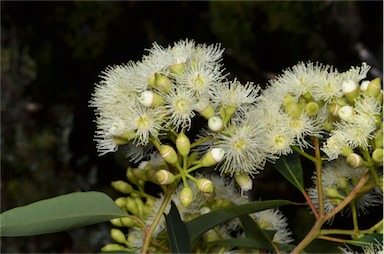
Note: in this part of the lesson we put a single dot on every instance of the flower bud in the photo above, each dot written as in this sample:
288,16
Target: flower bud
215,124
211,235
140,205
121,202
132,207
374,87
122,186
116,222
378,140
139,174
351,90
183,144
229,111
377,155
161,82
332,192
346,113
151,175
205,108
346,150
112,247
354,160
165,177
333,108
131,177
118,236
312,108
168,154
244,181
150,99
162,164
204,185
128,222
212,157
205,210
186,196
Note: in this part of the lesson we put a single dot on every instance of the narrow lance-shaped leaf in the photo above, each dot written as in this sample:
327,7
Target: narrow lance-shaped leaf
290,167
198,226
177,231
59,214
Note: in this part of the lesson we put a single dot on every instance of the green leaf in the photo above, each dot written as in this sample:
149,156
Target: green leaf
59,214
290,167
177,231
198,226
367,240
251,243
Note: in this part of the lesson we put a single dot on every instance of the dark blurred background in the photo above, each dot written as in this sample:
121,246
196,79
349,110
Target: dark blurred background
52,53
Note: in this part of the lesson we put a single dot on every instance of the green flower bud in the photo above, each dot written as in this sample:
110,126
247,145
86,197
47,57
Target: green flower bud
205,108
193,156
293,109
212,157
118,236
151,99
374,87
312,108
204,185
151,175
332,192
351,90
112,247
122,186
288,99
377,155
354,160
128,222
162,165
132,207
121,202
333,108
168,154
183,144
244,181
347,150
140,205
229,111
161,82
215,124
186,196
147,209
378,140
116,222
131,177
139,174
165,177
210,236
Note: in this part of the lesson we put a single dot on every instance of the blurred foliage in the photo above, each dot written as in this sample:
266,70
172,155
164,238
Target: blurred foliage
52,53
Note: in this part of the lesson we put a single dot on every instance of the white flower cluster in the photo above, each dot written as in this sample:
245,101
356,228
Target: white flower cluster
138,102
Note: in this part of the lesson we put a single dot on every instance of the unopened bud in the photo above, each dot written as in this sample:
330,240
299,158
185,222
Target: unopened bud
204,185
128,222
116,222
215,124
378,140
186,196
150,99
118,236
140,205
205,210
168,154
346,150
212,157
165,177
161,82
244,181
121,202
374,87
131,177
112,247
229,111
205,108
139,174
183,144
346,113
122,186
354,160
332,192
312,108
132,207
351,90
377,155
